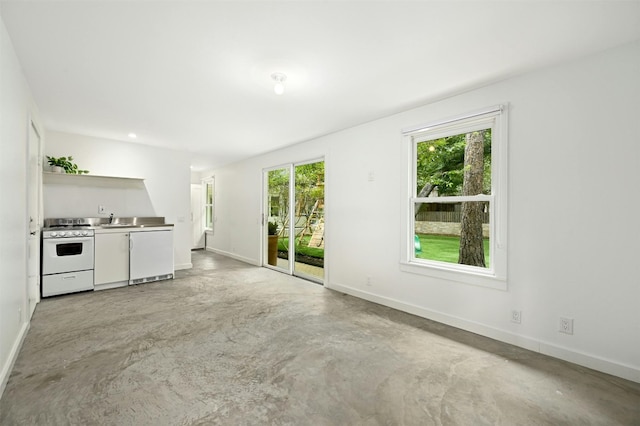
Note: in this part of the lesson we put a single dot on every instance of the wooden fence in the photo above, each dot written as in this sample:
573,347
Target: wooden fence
445,217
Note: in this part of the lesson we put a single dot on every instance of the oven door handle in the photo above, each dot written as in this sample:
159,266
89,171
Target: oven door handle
67,240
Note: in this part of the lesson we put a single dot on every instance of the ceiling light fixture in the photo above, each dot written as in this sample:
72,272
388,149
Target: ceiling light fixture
279,78
132,135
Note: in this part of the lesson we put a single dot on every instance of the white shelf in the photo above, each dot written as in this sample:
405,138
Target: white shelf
91,180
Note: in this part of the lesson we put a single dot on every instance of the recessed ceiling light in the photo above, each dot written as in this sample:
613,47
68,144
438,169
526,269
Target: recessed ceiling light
133,135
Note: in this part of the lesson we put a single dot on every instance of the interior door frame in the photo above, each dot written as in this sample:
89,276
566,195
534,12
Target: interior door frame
292,199
197,216
34,215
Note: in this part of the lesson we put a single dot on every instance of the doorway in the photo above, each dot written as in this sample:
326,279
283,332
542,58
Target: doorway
197,216
294,237
34,210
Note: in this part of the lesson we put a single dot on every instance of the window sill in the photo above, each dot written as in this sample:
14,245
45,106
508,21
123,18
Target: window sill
486,279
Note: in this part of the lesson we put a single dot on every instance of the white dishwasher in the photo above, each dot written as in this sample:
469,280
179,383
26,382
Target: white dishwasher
151,255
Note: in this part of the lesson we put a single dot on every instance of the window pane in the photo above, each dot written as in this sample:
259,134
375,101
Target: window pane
454,165
209,194
442,228
209,217
309,216
278,184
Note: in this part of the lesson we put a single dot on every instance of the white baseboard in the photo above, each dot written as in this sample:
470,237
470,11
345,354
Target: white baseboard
606,366
13,355
116,284
235,256
183,266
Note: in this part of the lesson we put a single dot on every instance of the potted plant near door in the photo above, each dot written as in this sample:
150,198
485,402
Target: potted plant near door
272,247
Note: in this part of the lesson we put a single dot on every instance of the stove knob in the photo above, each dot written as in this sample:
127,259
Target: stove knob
76,233
85,233
54,234
63,234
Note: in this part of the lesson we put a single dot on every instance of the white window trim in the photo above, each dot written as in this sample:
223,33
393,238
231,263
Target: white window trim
496,276
205,205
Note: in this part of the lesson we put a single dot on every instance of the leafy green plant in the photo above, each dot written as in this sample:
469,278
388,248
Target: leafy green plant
302,247
67,164
273,228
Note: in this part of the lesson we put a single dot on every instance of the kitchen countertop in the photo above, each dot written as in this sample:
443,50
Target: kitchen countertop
121,226
130,228
100,224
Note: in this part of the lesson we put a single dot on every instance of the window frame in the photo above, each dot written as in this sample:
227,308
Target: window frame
205,206
494,276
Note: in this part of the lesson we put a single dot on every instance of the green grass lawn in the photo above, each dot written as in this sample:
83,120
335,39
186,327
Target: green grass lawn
444,248
302,248
434,247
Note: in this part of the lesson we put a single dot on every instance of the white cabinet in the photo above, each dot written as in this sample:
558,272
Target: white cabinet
111,260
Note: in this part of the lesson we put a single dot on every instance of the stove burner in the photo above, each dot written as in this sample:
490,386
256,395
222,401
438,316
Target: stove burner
69,223
75,226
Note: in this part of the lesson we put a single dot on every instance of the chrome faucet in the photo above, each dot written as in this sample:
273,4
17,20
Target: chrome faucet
111,218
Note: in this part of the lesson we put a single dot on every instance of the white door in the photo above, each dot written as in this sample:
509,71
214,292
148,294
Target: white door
197,211
33,206
111,260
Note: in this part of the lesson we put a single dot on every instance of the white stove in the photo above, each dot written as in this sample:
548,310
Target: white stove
67,257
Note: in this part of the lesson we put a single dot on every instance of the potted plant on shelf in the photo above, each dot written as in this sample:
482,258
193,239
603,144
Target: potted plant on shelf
65,165
272,258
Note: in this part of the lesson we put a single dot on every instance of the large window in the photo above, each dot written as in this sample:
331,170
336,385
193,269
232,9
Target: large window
456,200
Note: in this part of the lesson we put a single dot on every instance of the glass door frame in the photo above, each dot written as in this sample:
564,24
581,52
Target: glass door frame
291,270
266,214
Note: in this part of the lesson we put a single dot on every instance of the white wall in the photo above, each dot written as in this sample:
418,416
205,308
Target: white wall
574,163
165,192
16,108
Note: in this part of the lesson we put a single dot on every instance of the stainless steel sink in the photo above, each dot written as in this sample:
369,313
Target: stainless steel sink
132,222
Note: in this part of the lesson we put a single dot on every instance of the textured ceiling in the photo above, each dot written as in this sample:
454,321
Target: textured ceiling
195,75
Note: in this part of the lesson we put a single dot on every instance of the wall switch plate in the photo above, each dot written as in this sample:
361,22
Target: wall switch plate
101,209
565,325
516,316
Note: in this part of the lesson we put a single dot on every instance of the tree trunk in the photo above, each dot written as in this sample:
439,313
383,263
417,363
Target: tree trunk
471,242
424,192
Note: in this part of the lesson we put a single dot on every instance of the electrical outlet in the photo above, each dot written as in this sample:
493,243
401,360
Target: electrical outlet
565,325
101,209
516,316
369,281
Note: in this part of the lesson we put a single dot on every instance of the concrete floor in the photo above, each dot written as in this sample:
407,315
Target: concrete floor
226,343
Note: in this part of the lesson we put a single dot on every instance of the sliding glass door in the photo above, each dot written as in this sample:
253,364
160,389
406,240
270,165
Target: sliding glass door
309,220
277,216
294,212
